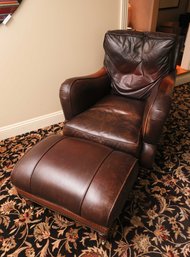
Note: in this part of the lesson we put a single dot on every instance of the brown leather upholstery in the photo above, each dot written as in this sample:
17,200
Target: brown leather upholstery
73,93
106,123
125,104
114,118
137,61
81,179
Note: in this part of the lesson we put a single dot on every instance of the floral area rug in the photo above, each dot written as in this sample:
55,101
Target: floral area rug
155,220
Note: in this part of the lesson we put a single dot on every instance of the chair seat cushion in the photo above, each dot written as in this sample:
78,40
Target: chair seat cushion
115,121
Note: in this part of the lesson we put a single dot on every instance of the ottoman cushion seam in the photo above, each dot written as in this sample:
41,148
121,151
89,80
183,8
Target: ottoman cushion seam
41,158
93,179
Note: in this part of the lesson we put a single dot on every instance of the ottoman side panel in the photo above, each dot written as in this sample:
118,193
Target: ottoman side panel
108,191
22,172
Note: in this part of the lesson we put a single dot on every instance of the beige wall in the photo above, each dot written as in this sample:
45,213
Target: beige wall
44,43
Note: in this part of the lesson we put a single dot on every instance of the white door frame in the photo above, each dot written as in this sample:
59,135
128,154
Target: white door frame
123,14
185,63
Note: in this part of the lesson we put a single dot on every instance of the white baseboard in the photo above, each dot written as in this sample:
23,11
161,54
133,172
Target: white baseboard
31,124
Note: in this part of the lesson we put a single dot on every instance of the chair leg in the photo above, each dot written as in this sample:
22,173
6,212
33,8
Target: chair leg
108,237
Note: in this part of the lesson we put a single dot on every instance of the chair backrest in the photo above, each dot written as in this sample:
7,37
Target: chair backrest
137,61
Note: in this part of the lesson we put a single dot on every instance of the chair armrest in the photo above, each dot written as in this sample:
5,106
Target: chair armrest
79,93
157,109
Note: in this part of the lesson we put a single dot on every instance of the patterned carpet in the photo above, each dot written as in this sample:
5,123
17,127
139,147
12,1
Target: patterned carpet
155,220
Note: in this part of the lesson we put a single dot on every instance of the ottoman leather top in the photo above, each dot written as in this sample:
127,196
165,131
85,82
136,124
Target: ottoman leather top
86,178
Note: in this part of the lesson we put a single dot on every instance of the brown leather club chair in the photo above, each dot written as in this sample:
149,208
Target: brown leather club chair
126,103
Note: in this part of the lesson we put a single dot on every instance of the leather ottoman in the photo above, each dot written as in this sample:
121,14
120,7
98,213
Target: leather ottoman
85,181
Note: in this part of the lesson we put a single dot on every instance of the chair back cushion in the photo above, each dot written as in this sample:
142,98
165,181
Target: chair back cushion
137,61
